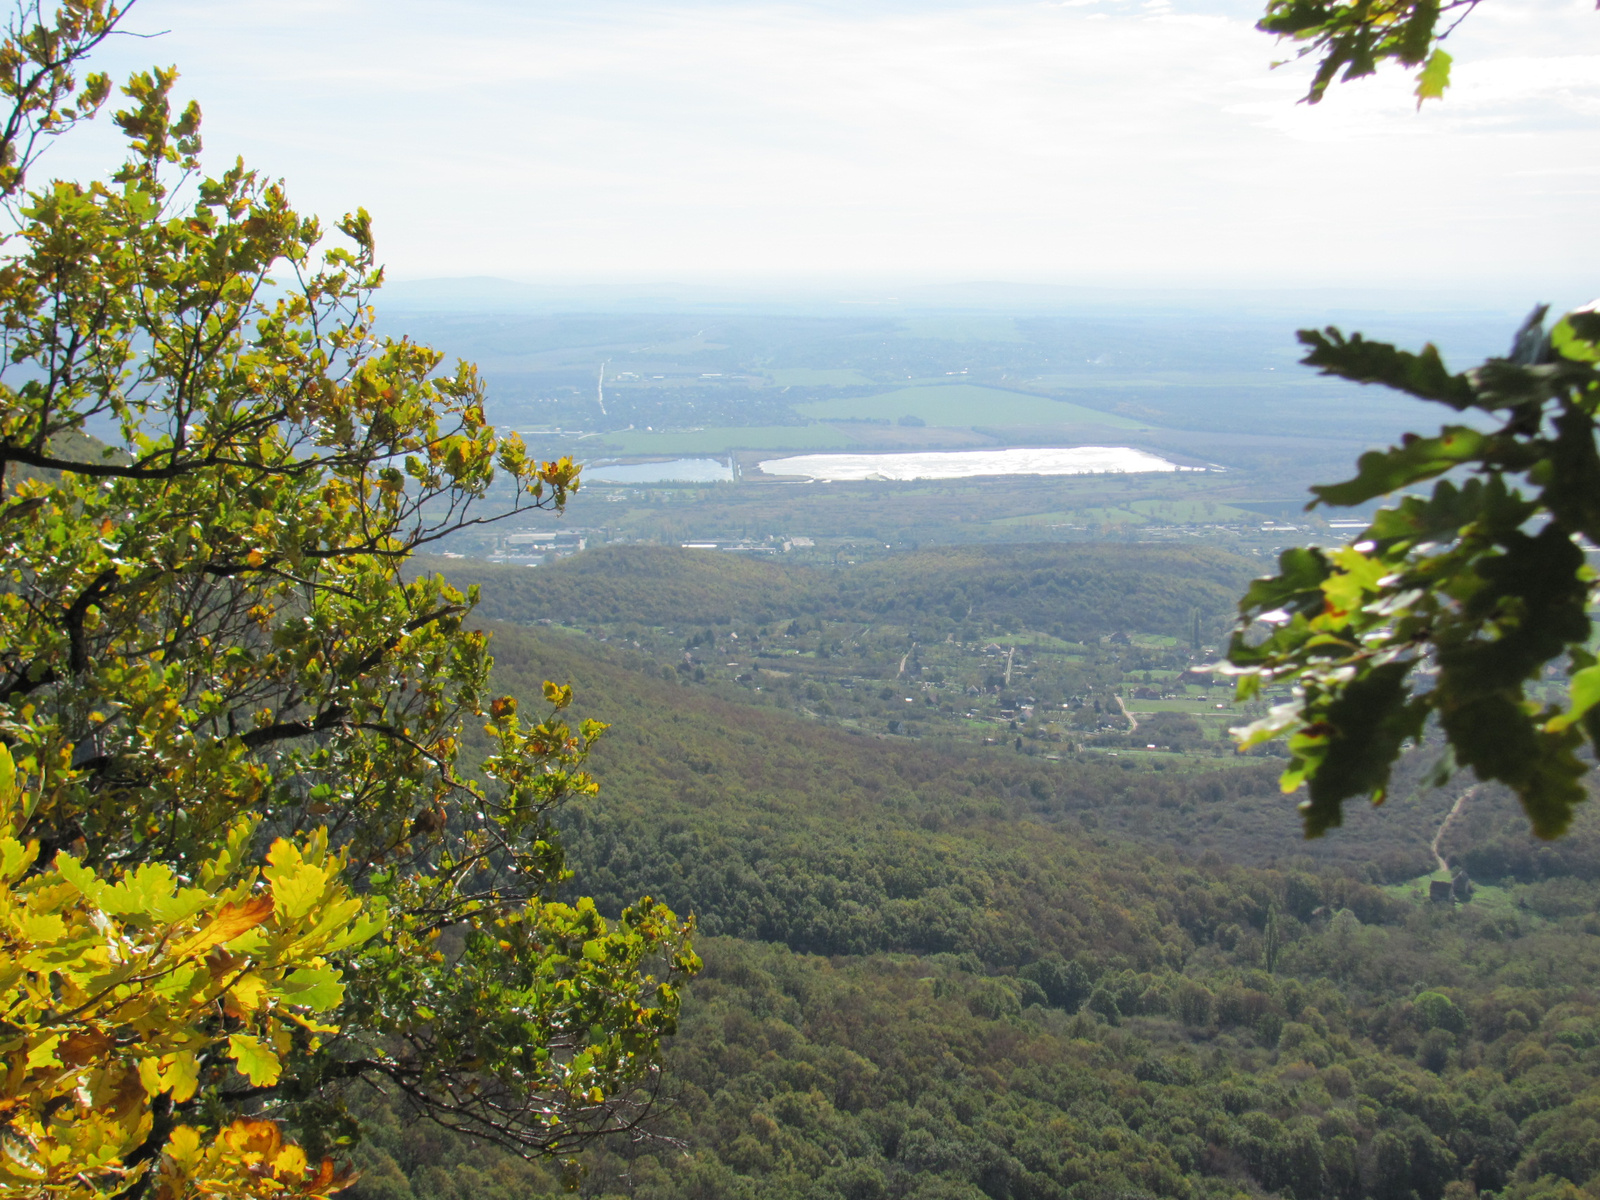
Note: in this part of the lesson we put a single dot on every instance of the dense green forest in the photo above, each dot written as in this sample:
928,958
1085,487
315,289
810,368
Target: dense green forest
1071,591
942,969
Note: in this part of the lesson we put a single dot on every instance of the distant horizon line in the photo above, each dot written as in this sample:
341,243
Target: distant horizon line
843,294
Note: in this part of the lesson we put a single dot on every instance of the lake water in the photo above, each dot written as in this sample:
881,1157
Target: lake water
961,464
679,470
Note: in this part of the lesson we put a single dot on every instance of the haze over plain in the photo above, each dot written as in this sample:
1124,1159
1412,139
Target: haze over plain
1091,141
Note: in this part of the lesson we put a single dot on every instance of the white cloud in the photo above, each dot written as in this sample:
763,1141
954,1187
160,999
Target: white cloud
1078,139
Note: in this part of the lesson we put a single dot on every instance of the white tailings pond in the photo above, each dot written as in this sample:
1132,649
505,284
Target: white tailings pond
962,464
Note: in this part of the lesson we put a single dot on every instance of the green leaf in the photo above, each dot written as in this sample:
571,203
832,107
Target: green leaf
1355,737
1551,791
296,888
1585,694
1422,375
1577,336
1441,514
1434,77
8,782
316,988
1381,472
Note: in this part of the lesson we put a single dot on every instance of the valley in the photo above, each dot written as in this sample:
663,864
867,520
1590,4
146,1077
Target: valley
984,945
798,601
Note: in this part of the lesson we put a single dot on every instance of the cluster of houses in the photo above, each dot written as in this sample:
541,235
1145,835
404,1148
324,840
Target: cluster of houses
772,545
530,548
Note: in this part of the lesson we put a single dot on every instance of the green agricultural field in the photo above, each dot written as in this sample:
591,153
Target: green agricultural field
809,377
1141,707
1180,512
1139,512
726,437
1155,512
1111,516
1046,519
1230,380
964,405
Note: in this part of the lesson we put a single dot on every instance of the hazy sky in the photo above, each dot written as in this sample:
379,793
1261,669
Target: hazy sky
1074,141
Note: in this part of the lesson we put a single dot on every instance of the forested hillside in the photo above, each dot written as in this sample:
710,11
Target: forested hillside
875,649
1076,591
753,782
1339,1075
938,970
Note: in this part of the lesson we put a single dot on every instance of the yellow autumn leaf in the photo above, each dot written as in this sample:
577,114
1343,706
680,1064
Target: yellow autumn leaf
231,921
150,1076
44,1054
183,1076
183,1147
254,1059
297,889
290,1163
247,994
43,928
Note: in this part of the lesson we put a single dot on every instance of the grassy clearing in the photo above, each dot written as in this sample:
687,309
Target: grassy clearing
1500,901
1486,897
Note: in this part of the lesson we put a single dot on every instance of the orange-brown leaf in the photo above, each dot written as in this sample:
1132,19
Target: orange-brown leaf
231,920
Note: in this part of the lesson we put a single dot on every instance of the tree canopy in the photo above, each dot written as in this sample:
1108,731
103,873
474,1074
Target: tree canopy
1450,605
243,862
1348,41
